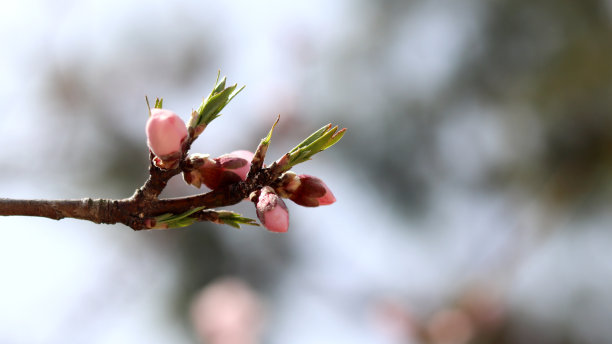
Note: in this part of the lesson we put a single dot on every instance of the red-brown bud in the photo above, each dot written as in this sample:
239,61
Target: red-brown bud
305,190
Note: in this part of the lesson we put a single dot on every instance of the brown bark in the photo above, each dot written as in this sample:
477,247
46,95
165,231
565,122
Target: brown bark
95,210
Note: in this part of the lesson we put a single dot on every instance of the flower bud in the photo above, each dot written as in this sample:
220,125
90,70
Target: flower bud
166,132
272,211
238,161
305,190
192,166
218,172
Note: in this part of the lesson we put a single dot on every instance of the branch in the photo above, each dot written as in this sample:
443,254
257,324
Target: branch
95,210
232,178
144,204
134,211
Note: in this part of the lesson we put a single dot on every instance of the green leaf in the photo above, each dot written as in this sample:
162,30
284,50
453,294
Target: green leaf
218,98
229,218
219,86
266,140
235,220
335,138
314,136
158,104
209,110
178,220
318,141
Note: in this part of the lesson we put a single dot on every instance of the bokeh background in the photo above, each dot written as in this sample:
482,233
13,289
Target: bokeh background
474,185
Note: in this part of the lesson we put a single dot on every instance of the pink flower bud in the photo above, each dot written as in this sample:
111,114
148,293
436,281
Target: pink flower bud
218,172
234,161
272,211
305,190
166,132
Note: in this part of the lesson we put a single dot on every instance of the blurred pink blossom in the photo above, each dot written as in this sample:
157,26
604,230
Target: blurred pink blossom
227,311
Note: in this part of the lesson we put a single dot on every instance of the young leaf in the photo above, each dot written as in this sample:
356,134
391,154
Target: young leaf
211,106
169,220
235,220
318,141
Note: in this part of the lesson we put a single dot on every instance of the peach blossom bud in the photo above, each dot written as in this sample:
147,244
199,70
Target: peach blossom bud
305,190
166,132
191,169
234,159
272,211
218,172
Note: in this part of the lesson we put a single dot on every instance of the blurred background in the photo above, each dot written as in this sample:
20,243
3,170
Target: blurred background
474,183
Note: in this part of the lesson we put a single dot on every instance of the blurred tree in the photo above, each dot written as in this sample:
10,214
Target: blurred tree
553,59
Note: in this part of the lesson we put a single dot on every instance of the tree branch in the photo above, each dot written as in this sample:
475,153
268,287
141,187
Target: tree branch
144,204
95,210
144,209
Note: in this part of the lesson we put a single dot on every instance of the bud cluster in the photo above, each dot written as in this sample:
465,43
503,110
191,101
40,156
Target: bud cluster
302,189
169,139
